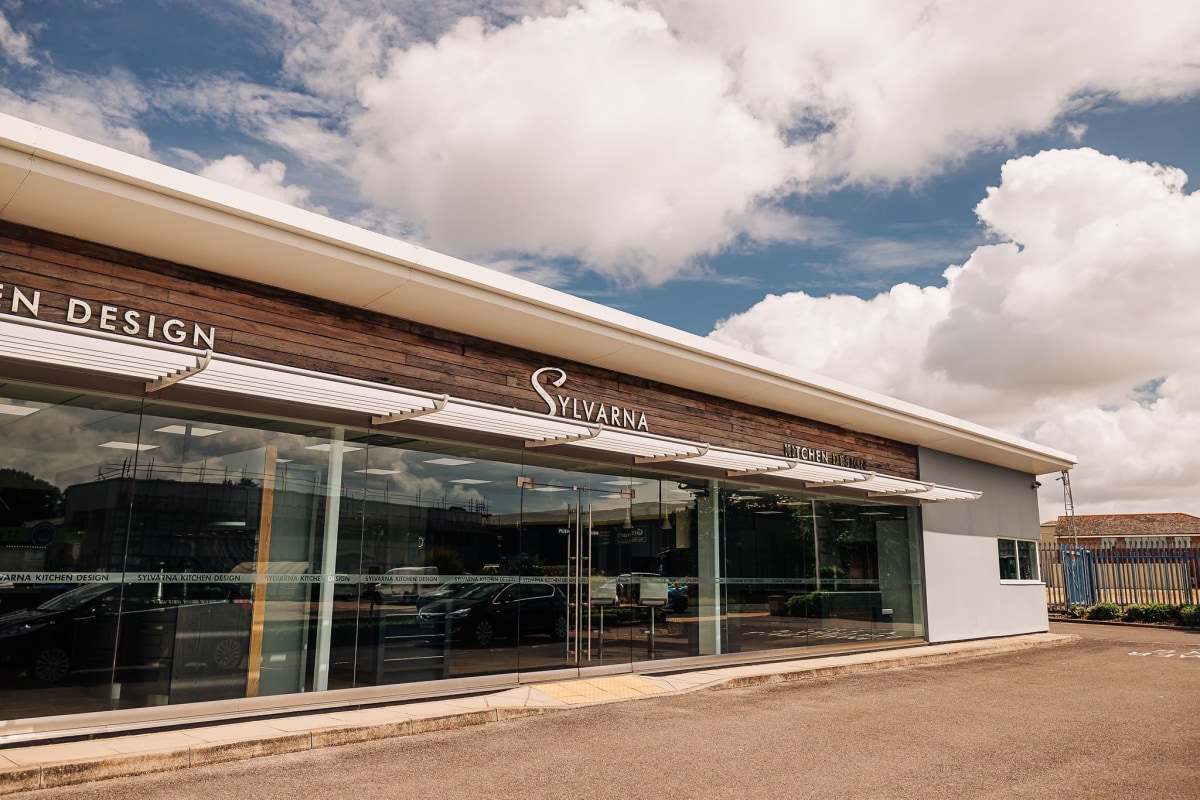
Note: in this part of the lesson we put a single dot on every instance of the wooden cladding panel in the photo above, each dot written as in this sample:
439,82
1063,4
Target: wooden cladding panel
271,324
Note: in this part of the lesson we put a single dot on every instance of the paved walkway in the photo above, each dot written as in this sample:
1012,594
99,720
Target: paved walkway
50,765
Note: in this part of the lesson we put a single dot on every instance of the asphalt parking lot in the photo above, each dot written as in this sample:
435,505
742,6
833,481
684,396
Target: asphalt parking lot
1112,716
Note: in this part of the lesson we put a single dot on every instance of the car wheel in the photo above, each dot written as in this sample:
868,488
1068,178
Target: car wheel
50,665
227,654
560,627
484,632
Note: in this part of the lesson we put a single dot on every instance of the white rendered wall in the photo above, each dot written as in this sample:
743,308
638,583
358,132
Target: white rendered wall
964,596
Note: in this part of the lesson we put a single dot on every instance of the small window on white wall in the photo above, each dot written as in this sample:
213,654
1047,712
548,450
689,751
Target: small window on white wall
1018,560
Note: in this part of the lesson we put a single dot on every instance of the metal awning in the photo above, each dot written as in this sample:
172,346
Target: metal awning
646,448
161,364
886,486
741,463
56,345
738,462
242,376
946,494
822,475
537,430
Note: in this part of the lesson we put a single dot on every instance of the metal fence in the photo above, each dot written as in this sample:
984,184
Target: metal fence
1123,575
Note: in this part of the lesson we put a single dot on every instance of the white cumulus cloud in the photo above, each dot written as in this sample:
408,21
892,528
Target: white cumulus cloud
1077,328
100,108
597,134
268,179
15,46
643,138
898,91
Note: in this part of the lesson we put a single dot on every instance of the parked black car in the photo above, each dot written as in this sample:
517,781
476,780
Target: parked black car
157,625
487,610
442,592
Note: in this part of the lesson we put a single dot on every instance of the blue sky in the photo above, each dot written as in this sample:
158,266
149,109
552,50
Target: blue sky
792,178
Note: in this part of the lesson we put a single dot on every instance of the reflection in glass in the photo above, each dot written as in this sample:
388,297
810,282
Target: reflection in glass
800,570
58,639
174,520
1008,560
1028,561
160,554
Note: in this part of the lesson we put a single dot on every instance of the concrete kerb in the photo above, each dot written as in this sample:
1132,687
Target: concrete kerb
19,774
899,659
1114,623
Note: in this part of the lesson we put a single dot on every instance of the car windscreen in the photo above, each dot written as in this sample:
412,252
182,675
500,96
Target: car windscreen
77,597
477,591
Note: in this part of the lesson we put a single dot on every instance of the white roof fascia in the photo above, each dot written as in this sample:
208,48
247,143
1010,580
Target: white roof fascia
77,188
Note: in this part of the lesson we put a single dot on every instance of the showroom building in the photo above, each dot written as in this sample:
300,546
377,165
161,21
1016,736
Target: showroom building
258,460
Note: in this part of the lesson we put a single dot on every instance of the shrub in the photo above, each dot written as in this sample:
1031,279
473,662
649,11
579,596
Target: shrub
1189,615
1152,612
1136,612
1104,611
1076,612
803,605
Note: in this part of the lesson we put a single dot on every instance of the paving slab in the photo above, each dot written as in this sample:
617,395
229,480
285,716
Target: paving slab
49,765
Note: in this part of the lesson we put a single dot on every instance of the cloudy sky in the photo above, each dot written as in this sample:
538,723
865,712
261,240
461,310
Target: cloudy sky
980,207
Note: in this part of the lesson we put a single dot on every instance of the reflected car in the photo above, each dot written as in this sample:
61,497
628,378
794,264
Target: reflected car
361,589
442,592
485,611
76,632
404,585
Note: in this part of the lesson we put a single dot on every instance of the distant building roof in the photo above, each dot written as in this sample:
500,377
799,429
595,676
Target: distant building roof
1129,525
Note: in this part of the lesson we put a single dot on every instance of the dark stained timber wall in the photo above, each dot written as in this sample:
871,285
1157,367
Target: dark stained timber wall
261,322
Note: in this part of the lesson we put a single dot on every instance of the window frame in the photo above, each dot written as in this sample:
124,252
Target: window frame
1032,546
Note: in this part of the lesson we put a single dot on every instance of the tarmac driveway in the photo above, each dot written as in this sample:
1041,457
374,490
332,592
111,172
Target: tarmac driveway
1116,715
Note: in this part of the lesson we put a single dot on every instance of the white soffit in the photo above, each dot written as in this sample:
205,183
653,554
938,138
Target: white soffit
39,342
70,186
14,166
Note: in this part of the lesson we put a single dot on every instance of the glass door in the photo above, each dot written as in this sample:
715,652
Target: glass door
575,535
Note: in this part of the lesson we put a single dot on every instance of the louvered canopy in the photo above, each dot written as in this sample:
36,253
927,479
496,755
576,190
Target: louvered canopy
161,365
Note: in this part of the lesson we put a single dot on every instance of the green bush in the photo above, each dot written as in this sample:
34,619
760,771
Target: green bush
1104,611
1153,612
1163,613
1136,612
1076,612
803,605
1189,615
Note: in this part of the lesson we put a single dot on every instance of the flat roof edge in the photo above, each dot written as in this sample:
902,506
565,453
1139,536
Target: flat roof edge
625,339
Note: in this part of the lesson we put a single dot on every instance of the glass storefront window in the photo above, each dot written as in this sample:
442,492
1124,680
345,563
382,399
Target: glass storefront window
132,539
65,497
800,570
185,554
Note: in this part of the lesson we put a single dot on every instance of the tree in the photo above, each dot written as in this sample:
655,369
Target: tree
24,497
